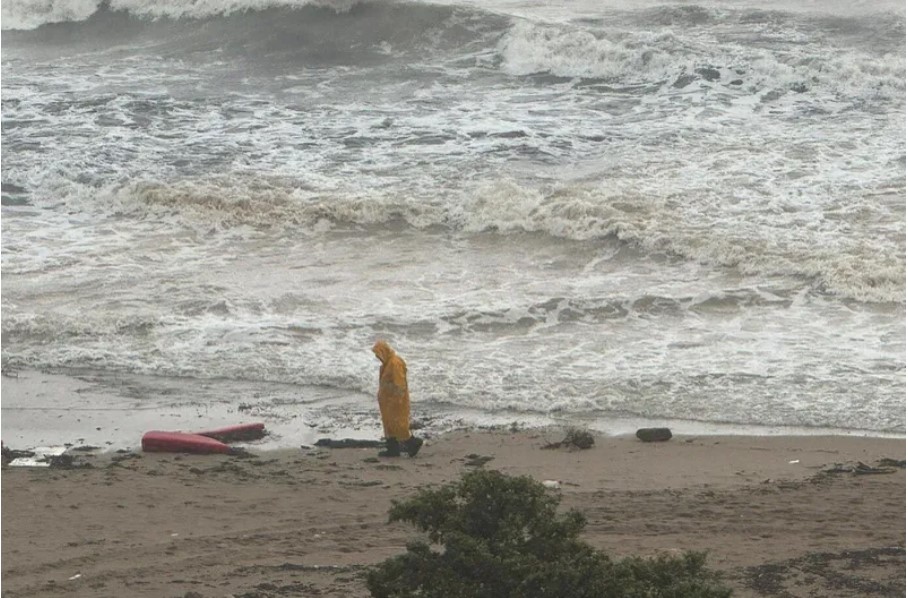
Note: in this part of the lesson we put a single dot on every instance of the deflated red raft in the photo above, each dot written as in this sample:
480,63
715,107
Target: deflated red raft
240,432
180,442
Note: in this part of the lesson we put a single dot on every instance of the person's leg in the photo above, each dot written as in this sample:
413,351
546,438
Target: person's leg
393,448
396,418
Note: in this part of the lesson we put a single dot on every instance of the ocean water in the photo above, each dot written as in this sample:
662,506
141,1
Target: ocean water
573,211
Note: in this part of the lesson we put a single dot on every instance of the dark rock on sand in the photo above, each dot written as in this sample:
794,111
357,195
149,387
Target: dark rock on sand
654,434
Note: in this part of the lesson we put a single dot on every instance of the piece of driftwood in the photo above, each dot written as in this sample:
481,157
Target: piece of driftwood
349,443
887,462
654,434
862,469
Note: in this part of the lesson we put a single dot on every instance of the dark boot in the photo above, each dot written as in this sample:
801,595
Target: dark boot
392,450
412,445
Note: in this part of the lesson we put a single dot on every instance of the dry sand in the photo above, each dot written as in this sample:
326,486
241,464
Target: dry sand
774,518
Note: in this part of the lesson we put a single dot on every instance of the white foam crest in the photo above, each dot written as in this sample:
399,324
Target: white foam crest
569,51
28,14
848,72
236,201
703,229
49,325
195,9
703,226
311,205
506,206
857,268
850,272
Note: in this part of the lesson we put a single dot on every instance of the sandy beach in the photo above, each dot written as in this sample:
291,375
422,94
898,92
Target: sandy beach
779,516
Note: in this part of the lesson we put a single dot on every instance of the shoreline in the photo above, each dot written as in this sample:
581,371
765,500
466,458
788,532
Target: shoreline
311,521
112,411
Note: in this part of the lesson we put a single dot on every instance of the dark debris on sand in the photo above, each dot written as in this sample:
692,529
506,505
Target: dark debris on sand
474,460
842,574
63,461
860,468
349,443
9,454
574,439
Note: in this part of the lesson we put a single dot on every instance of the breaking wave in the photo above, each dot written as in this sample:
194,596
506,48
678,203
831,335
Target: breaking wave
667,51
679,59
25,14
869,268
274,32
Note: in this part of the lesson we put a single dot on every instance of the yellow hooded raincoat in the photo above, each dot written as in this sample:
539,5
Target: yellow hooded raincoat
393,395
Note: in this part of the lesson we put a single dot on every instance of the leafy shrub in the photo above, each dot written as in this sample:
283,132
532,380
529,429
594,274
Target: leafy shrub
496,536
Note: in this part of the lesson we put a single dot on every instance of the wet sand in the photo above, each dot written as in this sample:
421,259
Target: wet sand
776,514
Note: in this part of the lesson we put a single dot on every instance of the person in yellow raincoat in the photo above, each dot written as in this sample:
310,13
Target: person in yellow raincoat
394,403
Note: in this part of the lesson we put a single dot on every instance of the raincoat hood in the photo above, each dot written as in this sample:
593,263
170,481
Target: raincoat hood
383,351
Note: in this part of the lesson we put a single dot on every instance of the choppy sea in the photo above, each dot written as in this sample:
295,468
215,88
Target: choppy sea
574,211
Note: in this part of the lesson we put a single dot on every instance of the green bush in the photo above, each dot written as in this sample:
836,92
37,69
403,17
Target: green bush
496,536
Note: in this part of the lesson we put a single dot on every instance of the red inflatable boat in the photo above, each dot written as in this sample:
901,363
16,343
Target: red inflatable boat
240,432
180,442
